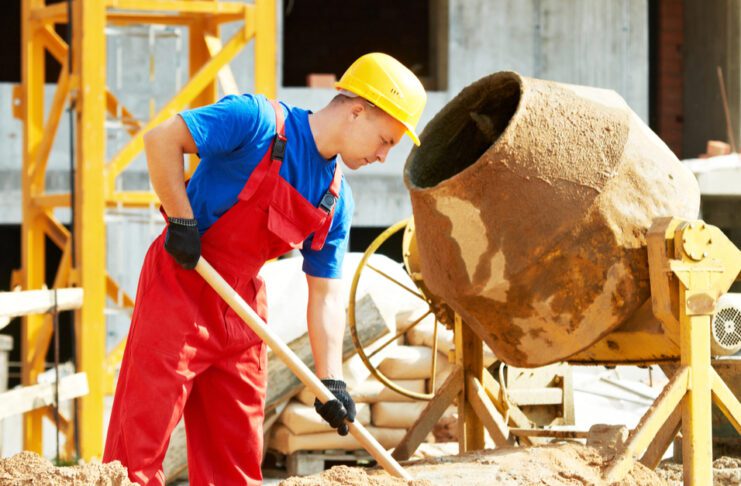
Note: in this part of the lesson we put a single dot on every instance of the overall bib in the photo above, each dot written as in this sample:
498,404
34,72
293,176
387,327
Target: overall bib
189,353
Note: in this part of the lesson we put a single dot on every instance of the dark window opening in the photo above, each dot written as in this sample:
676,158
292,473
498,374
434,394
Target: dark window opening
11,27
326,36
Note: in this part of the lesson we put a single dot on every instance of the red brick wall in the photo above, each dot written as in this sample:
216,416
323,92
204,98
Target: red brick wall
669,74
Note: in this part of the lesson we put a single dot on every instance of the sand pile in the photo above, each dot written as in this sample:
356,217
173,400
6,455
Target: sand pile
553,465
28,468
726,472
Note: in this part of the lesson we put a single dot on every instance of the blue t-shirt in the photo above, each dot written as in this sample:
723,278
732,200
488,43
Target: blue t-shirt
232,136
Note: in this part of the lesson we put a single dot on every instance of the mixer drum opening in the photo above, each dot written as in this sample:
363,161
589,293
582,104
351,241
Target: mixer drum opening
531,203
467,128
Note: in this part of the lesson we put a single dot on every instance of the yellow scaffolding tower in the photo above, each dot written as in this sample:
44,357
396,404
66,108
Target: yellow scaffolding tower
84,85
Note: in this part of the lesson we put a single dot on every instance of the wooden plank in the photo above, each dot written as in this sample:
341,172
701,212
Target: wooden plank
31,397
536,396
567,385
26,302
487,413
649,425
470,355
283,384
516,416
430,415
652,457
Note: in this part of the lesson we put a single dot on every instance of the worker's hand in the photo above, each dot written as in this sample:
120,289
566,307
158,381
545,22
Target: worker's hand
336,411
183,241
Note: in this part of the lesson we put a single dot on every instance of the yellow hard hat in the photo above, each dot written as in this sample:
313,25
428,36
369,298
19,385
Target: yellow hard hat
388,84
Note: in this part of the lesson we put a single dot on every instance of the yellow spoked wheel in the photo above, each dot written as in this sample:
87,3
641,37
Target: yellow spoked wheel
443,314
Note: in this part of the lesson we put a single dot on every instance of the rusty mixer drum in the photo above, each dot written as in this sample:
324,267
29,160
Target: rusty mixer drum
531,202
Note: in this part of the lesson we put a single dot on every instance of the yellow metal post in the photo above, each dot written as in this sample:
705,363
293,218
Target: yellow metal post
199,56
89,65
697,427
265,51
32,234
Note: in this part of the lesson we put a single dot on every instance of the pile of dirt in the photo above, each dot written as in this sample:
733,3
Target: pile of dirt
554,464
726,472
350,476
28,468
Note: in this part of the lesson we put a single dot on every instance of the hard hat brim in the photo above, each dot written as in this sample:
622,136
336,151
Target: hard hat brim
410,132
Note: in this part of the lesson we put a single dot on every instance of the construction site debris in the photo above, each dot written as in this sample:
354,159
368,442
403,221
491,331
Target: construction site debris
715,148
285,442
607,439
28,468
555,465
283,383
726,472
303,419
391,414
373,391
408,363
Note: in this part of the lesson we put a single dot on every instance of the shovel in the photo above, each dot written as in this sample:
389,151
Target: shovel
298,367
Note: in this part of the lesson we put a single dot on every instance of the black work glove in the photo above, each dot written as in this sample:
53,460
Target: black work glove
336,411
183,241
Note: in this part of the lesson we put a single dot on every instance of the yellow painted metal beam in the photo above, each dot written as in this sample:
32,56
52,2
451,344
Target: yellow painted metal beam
32,235
112,362
266,58
41,154
128,18
54,229
226,76
118,110
649,426
199,55
53,42
114,358
190,91
66,426
725,399
54,13
52,200
141,199
89,65
116,294
194,6
697,422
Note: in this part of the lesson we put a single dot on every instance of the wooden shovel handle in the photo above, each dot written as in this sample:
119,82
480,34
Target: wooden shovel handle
298,367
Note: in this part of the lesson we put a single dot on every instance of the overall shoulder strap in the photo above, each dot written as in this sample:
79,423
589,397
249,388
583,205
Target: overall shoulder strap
273,157
327,204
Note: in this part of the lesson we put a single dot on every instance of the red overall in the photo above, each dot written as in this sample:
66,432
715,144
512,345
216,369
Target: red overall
188,352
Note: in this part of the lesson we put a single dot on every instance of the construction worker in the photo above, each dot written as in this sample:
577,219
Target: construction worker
268,182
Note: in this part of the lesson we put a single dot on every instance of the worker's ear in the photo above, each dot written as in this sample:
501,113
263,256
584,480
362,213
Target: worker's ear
356,108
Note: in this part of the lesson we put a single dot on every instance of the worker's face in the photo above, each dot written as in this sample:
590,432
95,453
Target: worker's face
370,134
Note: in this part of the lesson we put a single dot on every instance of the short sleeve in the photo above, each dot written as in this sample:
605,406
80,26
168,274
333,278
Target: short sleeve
225,126
327,262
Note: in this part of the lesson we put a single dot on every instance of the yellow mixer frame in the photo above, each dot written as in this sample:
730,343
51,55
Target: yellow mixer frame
691,264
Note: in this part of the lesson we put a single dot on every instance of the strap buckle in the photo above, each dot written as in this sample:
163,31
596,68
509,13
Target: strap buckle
279,148
328,202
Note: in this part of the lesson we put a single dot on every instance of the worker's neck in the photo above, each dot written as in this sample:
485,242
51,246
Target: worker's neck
327,131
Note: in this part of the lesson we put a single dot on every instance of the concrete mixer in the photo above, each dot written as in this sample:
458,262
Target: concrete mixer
551,224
